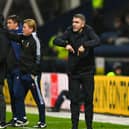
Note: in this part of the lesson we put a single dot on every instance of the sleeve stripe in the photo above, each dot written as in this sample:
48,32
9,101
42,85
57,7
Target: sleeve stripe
38,52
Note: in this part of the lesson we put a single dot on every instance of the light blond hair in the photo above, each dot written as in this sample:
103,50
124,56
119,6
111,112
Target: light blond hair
31,23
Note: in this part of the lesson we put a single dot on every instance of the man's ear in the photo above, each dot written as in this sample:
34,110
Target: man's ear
83,23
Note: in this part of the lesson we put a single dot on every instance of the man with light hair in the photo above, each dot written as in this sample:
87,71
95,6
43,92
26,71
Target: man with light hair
29,67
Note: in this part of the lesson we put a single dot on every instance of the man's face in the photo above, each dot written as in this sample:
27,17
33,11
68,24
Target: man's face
118,71
27,30
11,25
77,24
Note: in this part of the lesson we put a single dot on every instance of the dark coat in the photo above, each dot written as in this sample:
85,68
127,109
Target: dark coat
30,52
88,38
4,45
4,49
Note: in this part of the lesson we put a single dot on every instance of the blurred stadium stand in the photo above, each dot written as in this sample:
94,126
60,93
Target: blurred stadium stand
56,14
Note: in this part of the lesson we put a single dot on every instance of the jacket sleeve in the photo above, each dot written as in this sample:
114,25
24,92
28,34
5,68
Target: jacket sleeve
14,37
38,47
93,39
62,40
4,47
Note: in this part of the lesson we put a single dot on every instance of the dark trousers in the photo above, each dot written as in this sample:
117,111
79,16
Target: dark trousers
33,85
2,100
81,90
17,98
2,106
62,96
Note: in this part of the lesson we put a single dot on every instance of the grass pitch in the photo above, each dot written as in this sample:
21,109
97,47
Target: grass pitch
61,123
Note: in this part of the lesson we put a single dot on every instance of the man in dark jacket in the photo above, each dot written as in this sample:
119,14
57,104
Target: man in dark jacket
80,39
4,48
29,67
13,77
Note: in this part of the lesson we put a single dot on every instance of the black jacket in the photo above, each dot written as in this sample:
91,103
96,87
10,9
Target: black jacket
4,49
88,38
4,46
30,53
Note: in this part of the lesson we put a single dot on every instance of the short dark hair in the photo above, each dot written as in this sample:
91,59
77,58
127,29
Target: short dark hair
14,17
81,16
